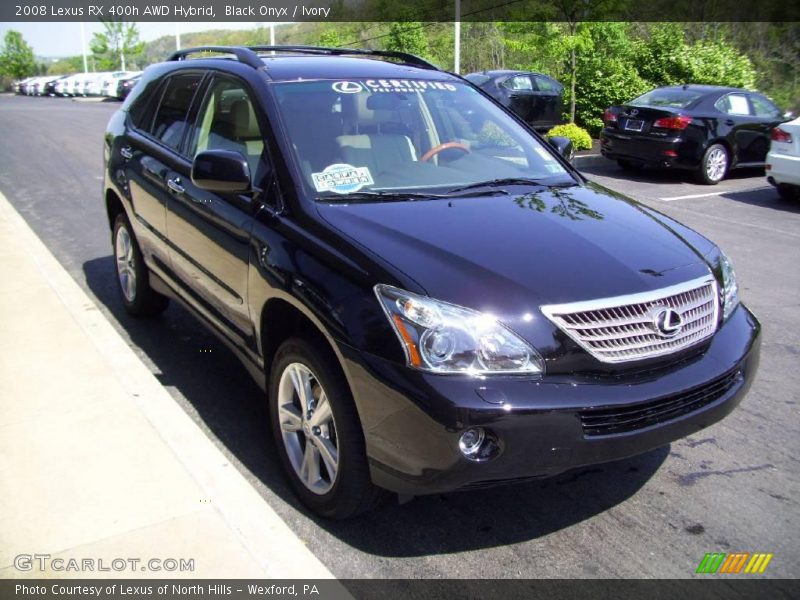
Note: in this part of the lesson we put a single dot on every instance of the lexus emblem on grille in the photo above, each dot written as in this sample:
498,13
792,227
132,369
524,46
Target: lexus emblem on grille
667,322
634,112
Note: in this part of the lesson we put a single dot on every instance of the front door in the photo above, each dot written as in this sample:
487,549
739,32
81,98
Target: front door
209,232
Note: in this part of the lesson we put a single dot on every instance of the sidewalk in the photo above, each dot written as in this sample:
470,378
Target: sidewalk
97,461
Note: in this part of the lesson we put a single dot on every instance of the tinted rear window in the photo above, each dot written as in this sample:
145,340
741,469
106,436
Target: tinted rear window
477,79
667,97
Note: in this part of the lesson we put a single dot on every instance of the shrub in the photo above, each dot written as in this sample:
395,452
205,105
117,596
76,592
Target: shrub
580,137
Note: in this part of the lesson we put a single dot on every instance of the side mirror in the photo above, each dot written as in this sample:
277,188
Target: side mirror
221,171
563,145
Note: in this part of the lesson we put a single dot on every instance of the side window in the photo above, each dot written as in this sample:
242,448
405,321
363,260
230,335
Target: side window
519,83
170,121
733,104
545,84
227,121
764,108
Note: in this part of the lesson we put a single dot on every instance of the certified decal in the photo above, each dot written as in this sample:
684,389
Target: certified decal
391,85
342,179
347,87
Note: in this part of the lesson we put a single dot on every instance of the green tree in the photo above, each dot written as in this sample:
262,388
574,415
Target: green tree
331,38
607,75
667,59
64,66
407,37
16,56
117,47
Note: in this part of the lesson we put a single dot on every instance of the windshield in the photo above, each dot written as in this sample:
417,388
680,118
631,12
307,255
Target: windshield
406,135
673,98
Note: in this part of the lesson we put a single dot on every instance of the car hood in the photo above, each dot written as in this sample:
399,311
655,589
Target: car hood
509,255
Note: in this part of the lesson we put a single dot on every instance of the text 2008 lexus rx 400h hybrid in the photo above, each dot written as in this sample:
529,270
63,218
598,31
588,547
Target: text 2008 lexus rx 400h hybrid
430,296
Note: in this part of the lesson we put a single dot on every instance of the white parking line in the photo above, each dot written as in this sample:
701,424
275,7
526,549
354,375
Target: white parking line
708,195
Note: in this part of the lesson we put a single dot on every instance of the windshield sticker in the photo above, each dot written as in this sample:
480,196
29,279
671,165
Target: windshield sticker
342,179
391,85
347,87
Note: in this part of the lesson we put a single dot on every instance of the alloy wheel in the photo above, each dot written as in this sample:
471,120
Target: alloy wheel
716,164
126,269
308,428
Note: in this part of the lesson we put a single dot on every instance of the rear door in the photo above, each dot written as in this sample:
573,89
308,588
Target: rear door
521,99
741,128
151,158
210,233
549,105
767,116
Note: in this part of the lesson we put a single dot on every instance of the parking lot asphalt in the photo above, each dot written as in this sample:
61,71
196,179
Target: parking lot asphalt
732,487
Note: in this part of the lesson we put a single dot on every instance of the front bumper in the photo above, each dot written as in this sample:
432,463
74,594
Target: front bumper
412,421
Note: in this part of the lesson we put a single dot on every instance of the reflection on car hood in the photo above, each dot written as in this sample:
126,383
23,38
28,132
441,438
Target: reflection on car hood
504,253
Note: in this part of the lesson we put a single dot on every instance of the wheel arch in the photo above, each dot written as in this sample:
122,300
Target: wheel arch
114,207
281,319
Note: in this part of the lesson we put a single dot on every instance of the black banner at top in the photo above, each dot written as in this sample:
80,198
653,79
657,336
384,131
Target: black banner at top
260,11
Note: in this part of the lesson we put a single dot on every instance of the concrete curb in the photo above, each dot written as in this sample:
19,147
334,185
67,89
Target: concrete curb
590,160
256,526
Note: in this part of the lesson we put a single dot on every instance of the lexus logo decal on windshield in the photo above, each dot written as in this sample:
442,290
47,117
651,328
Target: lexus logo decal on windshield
347,87
667,322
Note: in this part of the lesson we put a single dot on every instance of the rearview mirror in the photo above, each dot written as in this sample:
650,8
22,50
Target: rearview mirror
563,145
221,171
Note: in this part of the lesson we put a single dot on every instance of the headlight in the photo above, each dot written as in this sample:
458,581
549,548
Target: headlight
445,338
730,291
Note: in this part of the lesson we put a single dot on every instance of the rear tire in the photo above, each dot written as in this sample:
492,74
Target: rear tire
133,277
318,432
714,165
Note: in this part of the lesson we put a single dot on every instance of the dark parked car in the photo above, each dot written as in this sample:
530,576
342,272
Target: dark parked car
49,88
536,98
431,297
704,128
124,86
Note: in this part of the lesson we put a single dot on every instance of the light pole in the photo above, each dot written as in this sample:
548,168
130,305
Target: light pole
177,35
83,49
457,53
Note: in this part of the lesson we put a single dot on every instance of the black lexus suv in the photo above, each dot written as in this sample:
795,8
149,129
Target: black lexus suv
430,296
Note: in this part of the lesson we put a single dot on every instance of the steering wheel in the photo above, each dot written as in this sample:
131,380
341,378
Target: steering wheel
447,145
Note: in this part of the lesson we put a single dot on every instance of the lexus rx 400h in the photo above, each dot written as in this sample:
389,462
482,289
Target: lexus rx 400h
430,296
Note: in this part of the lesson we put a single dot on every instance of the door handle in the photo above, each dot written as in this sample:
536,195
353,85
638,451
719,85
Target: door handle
126,152
730,122
175,185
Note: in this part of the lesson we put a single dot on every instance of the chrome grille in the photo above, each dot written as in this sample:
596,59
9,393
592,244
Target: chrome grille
625,328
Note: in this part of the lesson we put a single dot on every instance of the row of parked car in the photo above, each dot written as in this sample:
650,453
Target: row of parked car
710,130
112,84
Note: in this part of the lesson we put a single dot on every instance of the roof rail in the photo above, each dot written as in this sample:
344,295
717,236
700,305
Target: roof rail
410,59
243,54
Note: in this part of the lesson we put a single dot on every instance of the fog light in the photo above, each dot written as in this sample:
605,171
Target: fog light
471,441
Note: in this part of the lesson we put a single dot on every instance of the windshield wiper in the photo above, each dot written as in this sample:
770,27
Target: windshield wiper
389,196
509,181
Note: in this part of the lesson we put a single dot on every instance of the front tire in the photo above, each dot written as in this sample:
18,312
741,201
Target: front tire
133,281
714,165
318,433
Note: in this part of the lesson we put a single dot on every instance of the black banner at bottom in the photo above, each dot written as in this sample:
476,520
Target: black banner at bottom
728,588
